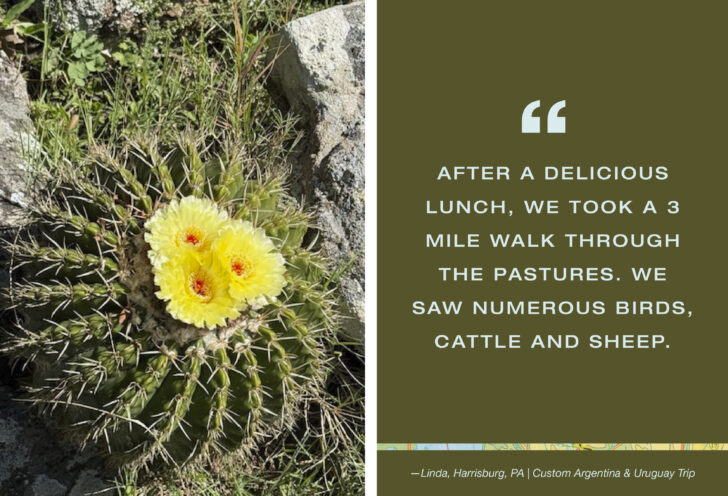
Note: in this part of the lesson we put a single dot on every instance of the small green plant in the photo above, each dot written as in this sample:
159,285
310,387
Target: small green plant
13,30
85,57
126,54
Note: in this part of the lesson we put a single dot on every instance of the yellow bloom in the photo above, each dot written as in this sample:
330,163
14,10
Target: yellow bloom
187,225
254,266
195,287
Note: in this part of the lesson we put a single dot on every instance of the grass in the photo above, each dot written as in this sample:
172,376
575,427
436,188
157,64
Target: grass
200,67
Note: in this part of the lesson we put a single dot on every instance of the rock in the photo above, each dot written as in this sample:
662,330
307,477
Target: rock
319,74
34,459
15,141
44,486
15,453
338,187
89,483
93,15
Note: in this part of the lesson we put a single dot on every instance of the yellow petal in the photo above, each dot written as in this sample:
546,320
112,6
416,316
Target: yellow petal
196,290
187,225
254,266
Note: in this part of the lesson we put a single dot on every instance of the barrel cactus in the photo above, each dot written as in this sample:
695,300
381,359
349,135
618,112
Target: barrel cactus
166,305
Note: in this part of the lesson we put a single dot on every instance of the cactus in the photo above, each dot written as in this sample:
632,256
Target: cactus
110,360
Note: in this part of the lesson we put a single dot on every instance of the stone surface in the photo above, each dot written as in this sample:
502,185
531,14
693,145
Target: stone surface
93,15
338,187
35,460
90,483
44,486
15,140
15,452
319,74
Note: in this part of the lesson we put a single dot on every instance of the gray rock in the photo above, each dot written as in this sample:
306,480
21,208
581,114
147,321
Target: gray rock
319,74
338,188
34,458
15,452
127,13
45,486
92,15
89,483
15,141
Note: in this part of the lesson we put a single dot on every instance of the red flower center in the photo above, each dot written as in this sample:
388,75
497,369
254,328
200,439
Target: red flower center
200,286
191,236
239,266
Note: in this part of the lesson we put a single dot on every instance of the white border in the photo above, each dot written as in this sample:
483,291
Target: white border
370,276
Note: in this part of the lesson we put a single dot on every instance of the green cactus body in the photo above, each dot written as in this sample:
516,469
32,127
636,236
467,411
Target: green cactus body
116,368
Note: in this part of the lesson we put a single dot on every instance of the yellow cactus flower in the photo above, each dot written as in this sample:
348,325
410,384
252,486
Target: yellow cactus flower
254,266
195,287
186,225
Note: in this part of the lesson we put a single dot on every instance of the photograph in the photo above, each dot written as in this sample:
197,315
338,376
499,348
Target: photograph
182,247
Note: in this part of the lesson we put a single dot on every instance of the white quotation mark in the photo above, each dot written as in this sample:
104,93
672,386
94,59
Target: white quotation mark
532,124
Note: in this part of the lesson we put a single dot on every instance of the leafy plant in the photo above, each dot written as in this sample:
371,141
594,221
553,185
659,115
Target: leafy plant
86,57
12,29
14,12
126,54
